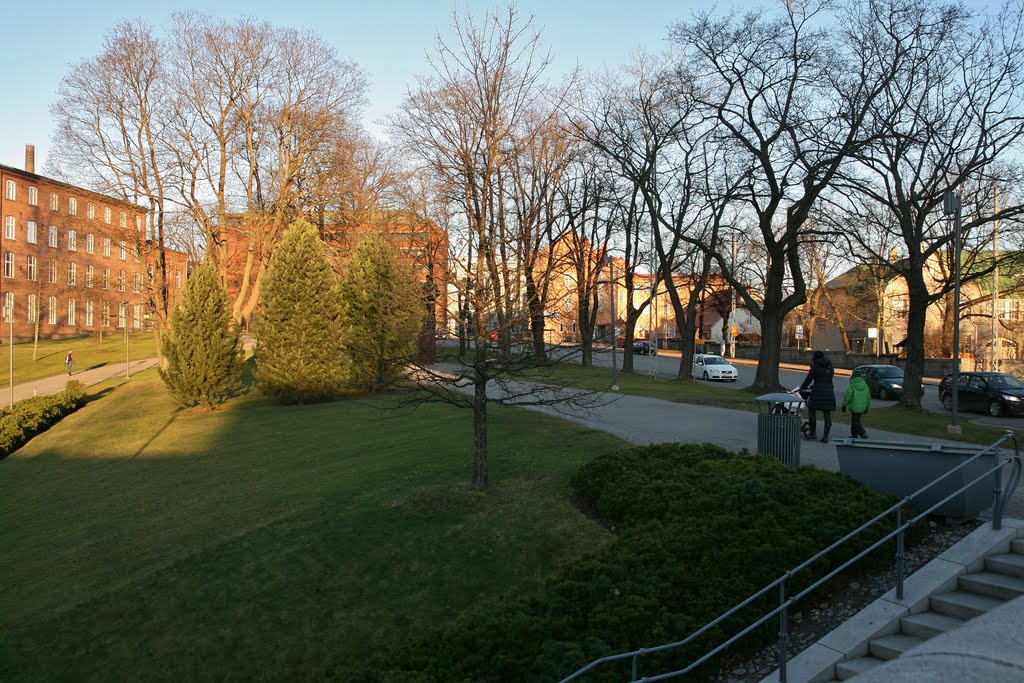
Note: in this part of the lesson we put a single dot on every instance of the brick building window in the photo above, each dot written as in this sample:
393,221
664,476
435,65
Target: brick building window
138,224
122,220
8,264
106,246
72,240
72,274
88,313
122,281
10,227
31,268
105,314
106,278
122,314
10,190
90,211
177,279
51,272
137,282
106,215
8,307
33,196
123,250
88,275
72,206
51,236
30,232
899,309
135,252
72,311
54,202
90,243
33,308
51,310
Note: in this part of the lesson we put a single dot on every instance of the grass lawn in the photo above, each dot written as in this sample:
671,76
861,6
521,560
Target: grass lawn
893,418
89,352
261,542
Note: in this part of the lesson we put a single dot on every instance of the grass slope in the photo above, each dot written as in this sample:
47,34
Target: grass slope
262,542
89,352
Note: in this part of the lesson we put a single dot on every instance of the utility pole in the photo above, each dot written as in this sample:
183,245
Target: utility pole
951,206
732,301
9,310
995,284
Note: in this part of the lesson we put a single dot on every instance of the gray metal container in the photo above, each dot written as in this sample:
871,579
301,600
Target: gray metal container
778,427
902,468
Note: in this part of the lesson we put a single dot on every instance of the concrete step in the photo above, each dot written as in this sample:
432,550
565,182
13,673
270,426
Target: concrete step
992,584
928,624
1017,546
962,605
850,668
1011,564
891,647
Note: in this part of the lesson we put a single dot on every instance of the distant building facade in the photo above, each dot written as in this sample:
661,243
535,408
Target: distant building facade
75,262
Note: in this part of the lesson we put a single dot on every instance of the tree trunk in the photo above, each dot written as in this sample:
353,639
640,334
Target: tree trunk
480,416
767,376
917,308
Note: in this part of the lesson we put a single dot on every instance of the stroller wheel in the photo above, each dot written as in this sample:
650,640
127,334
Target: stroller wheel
805,428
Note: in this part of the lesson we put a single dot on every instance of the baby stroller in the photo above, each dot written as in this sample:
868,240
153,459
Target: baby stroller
798,406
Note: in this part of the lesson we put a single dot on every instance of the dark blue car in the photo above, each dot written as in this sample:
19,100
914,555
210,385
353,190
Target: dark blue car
996,393
884,381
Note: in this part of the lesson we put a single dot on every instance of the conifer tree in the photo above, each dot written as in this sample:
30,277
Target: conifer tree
299,356
204,361
382,313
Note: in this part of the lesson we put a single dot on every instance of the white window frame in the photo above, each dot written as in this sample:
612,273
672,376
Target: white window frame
51,310
31,268
31,232
52,239
122,220
137,283
137,316
88,313
72,274
106,278
72,240
72,312
9,267
122,281
122,314
10,227
90,210
32,312
106,215
122,251
89,272
7,307
105,314
11,190
33,195
106,246
72,206
54,201
90,244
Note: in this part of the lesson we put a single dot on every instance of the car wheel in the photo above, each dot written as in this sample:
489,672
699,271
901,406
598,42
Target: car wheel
705,376
947,401
995,409
883,394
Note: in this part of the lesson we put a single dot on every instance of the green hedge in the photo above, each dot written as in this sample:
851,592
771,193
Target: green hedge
32,416
699,529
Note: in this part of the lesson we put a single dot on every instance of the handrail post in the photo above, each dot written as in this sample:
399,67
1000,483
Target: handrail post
636,666
899,553
783,629
997,501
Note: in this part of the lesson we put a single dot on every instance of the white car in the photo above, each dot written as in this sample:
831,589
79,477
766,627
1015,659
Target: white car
708,366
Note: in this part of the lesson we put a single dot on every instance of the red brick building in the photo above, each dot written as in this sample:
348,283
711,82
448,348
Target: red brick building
74,261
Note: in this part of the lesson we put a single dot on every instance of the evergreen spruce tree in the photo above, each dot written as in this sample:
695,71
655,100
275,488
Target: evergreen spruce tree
382,312
204,361
299,356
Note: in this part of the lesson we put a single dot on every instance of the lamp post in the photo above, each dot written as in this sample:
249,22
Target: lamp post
9,312
951,206
127,365
732,301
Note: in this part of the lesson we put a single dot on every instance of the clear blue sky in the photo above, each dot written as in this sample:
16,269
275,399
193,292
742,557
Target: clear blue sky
388,39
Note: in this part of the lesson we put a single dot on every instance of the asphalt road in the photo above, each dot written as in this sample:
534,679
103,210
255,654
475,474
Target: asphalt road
667,366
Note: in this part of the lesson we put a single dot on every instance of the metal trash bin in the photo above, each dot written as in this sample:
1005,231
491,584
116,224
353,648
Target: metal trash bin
778,427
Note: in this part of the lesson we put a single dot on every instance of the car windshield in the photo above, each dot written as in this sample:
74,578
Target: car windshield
715,360
890,373
1004,382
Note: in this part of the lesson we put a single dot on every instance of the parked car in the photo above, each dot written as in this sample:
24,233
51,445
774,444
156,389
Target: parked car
884,381
996,393
709,367
643,347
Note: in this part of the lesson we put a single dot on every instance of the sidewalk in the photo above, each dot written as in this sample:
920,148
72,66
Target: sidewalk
88,377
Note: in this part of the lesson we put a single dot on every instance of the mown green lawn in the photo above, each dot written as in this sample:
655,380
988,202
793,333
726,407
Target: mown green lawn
89,352
261,542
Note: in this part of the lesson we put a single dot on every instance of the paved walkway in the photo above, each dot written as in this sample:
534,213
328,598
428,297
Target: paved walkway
88,377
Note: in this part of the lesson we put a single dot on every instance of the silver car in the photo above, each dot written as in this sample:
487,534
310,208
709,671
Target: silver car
708,366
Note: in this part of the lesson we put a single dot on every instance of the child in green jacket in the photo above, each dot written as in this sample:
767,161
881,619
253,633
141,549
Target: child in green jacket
857,398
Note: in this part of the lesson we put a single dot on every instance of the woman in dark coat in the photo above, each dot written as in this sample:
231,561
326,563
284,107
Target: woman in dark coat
823,396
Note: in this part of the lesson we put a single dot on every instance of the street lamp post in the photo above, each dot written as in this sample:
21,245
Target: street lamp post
732,302
127,364
951,206
9,311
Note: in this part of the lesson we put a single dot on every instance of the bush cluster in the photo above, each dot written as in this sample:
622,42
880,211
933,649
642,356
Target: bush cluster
699,530
32,416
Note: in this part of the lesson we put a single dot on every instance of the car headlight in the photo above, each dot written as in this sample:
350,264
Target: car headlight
1011,398
897,386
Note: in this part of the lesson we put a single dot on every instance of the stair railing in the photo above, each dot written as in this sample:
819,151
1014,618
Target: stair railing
1000,495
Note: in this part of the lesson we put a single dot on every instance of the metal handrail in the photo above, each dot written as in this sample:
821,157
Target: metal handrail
999,494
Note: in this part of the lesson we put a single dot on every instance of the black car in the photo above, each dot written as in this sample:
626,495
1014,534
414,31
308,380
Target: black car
996,393
643,347
884,381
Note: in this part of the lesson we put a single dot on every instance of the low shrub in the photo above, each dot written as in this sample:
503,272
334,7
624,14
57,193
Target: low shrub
32,416
699,530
